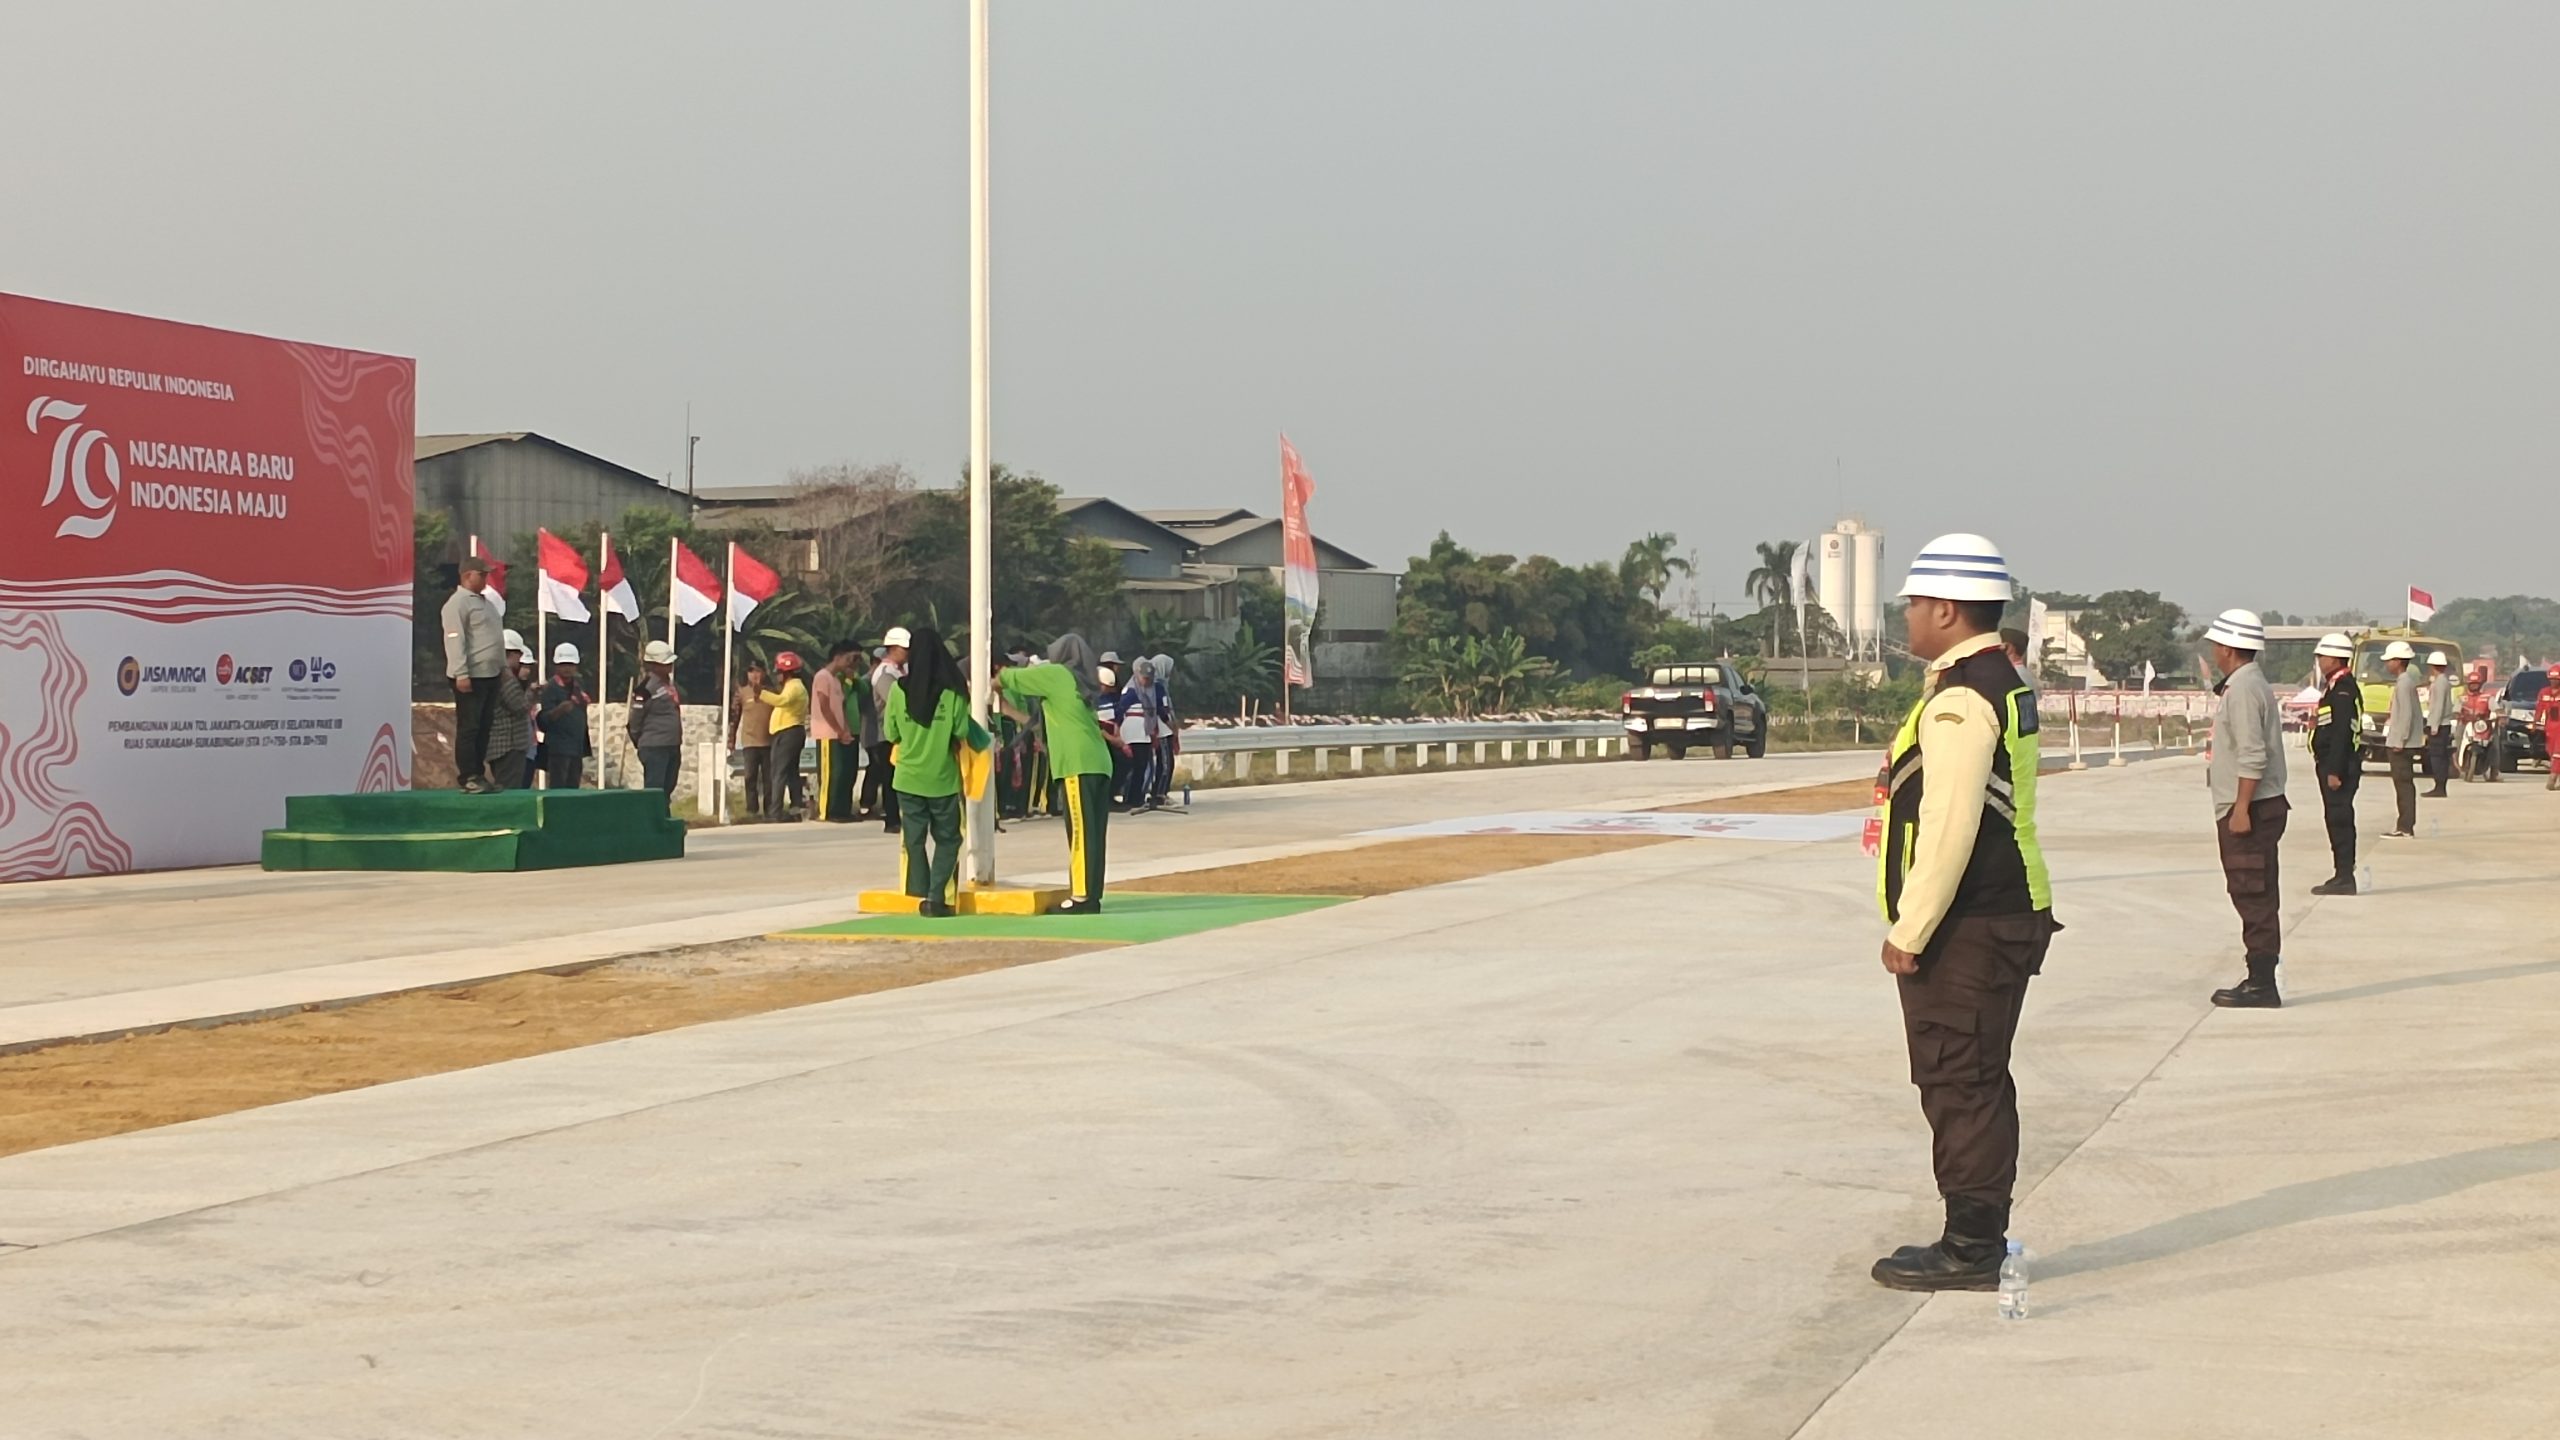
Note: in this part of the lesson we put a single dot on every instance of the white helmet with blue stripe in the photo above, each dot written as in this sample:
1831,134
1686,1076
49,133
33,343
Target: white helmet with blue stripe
1958,567
2239,629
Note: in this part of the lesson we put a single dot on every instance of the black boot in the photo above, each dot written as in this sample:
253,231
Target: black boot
2339,885
1966,1257
2258,992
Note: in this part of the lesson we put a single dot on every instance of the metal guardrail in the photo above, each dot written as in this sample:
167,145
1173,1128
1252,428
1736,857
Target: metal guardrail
1203,740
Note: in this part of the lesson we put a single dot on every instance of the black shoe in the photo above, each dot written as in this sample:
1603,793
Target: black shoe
891,830
1966,1257
1079,907
934,910
2258,992
2342,885
2435,794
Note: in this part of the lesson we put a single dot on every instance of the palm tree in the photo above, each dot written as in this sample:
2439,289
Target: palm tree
1504,665
1773,584
1163,634
1650,564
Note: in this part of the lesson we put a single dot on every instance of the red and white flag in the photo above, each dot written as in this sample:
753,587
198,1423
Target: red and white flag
697,590
496,594
614,588
2422,606
751,583
564,578
1297,570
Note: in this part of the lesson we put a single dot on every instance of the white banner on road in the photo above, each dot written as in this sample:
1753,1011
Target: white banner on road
1790,829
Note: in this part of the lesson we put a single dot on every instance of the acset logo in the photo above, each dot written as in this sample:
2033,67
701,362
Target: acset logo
228,672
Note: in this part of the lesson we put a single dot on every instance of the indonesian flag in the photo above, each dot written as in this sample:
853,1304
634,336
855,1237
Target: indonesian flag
614,589
564,578
697,590
496,594
2422,606
751,583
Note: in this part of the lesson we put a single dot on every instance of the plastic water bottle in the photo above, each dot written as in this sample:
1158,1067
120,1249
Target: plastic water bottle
2013,1283
2364,878
1186,794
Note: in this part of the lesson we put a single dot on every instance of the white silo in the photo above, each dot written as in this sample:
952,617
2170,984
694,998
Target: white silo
1832,579
1866,550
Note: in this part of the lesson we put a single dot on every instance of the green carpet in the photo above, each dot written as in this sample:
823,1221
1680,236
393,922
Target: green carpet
1126,919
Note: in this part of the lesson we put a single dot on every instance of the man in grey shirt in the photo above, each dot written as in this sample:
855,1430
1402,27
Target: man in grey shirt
2404,735
474,653
2246,777
2439,721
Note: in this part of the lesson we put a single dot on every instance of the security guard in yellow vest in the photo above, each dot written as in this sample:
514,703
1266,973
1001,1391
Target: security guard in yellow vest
1964,888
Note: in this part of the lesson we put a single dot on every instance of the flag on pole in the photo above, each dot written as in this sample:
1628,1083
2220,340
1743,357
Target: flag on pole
564,578
496,594
697,591
751,583
614,589
2149,674
2035,641
2422,606
1298,568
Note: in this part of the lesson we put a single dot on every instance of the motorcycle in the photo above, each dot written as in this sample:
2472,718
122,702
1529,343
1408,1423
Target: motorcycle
2479,758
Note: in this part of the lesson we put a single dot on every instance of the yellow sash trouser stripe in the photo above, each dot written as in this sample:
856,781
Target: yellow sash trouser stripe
1075,837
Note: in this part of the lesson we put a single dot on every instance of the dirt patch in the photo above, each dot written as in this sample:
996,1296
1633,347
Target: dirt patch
1803,800
82,1092
1389,865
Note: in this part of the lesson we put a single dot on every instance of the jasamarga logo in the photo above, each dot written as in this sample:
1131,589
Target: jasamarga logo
74,451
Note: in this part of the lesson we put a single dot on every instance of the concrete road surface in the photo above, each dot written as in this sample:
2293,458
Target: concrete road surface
1602,1149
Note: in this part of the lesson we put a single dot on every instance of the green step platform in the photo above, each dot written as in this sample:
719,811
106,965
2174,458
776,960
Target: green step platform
448,830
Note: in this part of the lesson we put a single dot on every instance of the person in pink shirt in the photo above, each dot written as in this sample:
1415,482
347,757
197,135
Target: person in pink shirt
829,726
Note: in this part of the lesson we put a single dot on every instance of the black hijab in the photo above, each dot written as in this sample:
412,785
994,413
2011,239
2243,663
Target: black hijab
930,672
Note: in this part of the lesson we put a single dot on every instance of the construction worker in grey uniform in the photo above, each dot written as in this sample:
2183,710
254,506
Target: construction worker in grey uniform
2245,777
1963,886
2404,735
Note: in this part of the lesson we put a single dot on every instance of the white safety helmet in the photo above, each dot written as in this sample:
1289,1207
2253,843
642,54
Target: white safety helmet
1958,567
657,652
2400,650
897,638
2336,646
2438,657
564,653
2239,629
1106,677
515,643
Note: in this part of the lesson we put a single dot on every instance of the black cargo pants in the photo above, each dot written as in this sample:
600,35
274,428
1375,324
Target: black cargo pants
1959,1018
2338,810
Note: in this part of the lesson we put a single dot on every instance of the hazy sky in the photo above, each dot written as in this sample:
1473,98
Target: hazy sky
2256,303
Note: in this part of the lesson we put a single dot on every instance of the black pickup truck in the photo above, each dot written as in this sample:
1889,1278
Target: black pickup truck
1684,705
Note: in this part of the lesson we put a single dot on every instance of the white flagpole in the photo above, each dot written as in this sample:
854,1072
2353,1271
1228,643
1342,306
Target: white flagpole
728,642
979,854
604,660
541,656
673,545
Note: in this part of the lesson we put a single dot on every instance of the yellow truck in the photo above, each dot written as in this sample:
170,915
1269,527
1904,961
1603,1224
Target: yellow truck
2374,683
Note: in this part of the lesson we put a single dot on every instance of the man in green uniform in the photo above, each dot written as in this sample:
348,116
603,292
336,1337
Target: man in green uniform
1078,756
1963,885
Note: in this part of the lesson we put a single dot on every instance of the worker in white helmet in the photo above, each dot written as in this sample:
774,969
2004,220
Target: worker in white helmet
2337,756
1963,885
2404,734
2245,777
2439,721
561,706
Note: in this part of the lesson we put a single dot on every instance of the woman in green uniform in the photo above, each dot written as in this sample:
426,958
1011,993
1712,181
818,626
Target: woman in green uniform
1078,756
927,720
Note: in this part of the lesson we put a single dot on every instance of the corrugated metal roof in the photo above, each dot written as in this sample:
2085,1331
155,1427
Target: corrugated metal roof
430,446
1185,519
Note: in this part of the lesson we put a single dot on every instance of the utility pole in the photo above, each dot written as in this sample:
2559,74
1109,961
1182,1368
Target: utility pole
980,852
690,440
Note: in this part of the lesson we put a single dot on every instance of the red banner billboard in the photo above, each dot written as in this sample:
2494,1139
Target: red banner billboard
204,585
